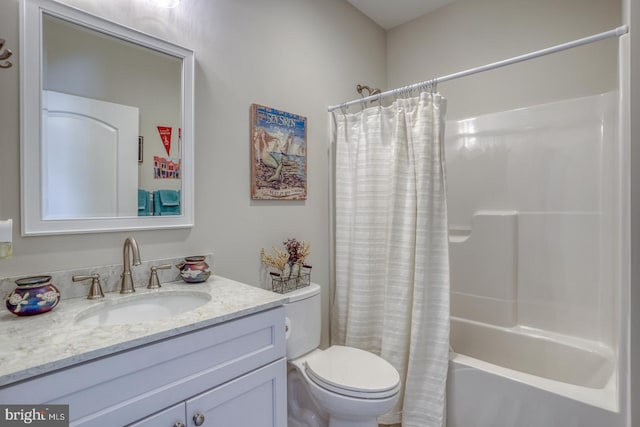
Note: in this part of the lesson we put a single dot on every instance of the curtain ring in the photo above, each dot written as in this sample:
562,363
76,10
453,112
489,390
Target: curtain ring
434,86
428,86
343,108
409,92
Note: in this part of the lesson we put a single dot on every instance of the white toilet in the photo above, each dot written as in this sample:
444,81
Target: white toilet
337,387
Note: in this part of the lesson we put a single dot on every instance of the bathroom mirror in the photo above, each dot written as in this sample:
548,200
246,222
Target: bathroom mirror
106,125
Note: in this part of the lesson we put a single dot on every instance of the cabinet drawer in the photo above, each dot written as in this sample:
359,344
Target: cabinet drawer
126,386
257,399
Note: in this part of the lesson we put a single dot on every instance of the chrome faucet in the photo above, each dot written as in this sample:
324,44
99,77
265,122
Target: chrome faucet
127,281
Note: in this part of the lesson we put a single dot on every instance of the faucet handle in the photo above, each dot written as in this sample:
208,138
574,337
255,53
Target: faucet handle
154,282
95,291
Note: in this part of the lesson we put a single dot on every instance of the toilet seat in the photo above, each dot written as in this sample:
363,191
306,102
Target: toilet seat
353,372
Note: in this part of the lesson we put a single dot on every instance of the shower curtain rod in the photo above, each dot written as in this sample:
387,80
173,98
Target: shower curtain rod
616,32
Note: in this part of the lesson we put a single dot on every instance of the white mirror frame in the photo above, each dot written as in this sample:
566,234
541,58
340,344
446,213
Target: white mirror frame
31,84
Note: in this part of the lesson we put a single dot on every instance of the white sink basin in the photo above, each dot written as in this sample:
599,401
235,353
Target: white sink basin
143,308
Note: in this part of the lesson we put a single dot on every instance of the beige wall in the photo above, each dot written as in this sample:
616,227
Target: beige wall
294,55
471,33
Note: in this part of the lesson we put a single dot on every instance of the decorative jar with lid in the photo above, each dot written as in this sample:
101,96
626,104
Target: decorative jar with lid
194,269
33,295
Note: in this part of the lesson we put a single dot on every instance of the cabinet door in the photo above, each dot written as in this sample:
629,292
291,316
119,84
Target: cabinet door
257,399
173,416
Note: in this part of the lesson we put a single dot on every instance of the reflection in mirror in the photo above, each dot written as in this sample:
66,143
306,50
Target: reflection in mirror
101,93
115,111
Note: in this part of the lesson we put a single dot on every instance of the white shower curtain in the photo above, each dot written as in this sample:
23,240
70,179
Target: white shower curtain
391,247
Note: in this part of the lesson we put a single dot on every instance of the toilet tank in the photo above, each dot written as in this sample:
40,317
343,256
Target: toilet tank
303,321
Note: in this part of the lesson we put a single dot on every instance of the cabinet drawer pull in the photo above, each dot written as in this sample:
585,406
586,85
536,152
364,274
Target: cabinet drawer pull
198,419
179,424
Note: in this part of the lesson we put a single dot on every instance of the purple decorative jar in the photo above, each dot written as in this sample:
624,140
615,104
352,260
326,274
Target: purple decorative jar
34,295
194,269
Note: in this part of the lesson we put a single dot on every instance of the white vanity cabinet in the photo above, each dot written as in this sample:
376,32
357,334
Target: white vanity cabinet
232,374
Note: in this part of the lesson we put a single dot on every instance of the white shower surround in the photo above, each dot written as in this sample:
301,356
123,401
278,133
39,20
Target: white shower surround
531,196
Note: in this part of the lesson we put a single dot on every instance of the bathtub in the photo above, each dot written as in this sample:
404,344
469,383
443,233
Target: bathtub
507,377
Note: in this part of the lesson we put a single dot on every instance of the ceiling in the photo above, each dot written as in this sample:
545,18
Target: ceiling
391,13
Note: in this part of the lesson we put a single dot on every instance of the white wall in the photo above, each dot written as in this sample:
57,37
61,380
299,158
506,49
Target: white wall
294,55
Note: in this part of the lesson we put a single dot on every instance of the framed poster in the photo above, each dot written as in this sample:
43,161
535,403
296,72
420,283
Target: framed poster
166,168
278,154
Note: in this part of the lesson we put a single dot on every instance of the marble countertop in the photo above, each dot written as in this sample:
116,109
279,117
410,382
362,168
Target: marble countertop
35,345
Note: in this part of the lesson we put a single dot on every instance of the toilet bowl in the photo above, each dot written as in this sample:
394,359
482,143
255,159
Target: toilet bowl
350,386
337,387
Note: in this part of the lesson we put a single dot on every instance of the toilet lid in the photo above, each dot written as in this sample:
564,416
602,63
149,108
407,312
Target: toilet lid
353,372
